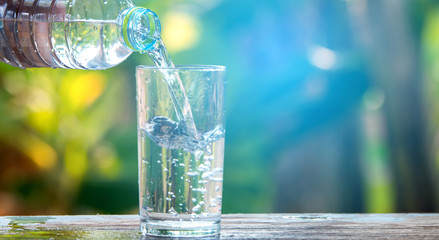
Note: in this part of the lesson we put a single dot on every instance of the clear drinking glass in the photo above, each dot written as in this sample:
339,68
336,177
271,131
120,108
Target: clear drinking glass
181,149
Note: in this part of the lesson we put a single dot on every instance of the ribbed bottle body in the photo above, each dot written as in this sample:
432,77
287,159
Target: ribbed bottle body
79,34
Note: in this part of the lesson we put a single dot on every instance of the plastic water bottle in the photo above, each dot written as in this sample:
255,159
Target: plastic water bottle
78,34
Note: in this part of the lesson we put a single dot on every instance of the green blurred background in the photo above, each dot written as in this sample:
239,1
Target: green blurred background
332,107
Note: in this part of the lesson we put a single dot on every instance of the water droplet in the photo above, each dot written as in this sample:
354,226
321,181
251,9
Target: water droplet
165,170
217,189
181,164
173,212
194,199
95,28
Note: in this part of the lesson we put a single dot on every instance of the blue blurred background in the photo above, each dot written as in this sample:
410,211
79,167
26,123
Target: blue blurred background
332,107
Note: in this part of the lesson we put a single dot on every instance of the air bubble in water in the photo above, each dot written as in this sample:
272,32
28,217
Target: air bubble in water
197,208
203,168
192,174
213,202
176,135
173,212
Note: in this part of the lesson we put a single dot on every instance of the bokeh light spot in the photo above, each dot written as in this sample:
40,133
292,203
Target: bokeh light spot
70,126
43,121
75,160
373,98
107,162
181,31
39,100
42,154
322,58
83,89
15,82
316,86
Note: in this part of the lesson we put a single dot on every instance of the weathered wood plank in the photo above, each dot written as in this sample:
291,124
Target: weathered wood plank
234,226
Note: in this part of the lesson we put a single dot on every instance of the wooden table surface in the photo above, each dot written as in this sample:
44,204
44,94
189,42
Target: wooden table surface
233,226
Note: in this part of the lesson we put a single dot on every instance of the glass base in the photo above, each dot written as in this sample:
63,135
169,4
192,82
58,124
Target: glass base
178,228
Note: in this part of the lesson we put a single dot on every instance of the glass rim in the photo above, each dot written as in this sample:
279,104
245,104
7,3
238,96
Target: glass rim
199,67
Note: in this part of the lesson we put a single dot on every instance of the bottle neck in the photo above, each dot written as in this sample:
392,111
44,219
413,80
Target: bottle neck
140,28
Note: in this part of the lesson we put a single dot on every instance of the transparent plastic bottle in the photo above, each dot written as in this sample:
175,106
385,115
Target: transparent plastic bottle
78,34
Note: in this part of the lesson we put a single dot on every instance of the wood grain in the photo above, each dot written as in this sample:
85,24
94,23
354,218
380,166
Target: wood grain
234,226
